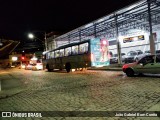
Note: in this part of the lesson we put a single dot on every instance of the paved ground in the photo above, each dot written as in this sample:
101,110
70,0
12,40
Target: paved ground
79,91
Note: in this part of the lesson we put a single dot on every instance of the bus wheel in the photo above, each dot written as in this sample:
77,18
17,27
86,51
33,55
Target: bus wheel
68,67
49,70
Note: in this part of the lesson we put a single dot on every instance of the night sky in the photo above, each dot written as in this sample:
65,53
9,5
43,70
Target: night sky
18,17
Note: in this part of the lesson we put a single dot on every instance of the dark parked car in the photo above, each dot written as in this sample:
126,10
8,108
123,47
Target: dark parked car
148,51
157,51
114,58
139,52
130,57
138,57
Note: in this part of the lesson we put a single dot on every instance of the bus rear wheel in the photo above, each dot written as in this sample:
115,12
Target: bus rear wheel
68,67
49,70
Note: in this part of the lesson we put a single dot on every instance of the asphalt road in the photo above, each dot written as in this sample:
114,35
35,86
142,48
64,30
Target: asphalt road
26,90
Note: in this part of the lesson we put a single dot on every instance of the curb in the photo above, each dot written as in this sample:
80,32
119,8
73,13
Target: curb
106,69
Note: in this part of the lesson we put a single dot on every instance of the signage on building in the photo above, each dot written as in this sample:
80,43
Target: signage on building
132,39
14,58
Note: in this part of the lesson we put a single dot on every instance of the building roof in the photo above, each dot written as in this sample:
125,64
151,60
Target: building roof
8,47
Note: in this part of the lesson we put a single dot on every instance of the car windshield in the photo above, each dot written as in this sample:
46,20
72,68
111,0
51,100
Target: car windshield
158,58
123,54
131,53
147,51
140,53
147,59
157,51
115,55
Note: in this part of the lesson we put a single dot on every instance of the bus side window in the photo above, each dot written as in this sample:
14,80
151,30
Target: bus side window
61,52
83,48
56,53
80,50
45,57
68,51
75,50
86,47
49,55
52,54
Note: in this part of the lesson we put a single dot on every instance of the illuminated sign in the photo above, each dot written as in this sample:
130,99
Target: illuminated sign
14,58
99,52
132,39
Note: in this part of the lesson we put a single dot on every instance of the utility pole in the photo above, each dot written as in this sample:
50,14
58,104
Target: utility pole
152,41
118,44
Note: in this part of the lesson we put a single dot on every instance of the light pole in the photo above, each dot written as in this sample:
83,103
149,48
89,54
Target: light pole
32,36
1,43
45,40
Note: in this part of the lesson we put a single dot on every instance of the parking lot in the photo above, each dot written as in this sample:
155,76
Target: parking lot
89,90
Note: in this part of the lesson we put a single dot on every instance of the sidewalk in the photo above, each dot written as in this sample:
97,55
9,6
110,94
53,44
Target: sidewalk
9,85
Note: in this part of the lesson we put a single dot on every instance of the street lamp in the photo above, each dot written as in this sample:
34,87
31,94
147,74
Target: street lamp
31,36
